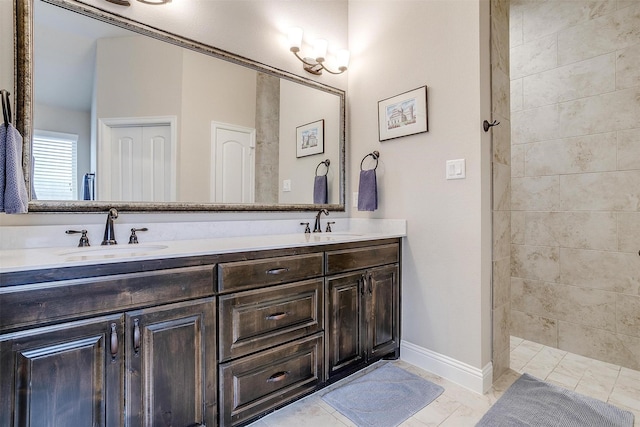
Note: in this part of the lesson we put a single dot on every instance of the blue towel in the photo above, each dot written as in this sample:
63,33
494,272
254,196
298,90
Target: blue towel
88,186
320,193
368,191
13,192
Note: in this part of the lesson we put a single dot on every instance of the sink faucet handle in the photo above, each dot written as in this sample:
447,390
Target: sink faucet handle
328,230
134,237
306,227
84,240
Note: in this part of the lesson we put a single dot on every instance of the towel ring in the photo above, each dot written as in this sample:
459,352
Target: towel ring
326,163
375,155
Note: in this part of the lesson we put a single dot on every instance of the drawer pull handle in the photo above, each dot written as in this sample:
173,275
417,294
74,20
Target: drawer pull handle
114,341
278,270
136,335
277,316
278,376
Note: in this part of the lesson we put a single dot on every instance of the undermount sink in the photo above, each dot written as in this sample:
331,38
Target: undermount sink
123,250
343,233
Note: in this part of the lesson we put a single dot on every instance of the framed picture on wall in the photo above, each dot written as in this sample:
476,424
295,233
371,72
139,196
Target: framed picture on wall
310,139
402,115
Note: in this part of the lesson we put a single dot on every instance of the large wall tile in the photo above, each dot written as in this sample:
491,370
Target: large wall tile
518,224
628,231
536,124
597,114
501,187
500,37
517,160
548,17
610,271
501,141
516,89
515,25
628,67
500,93
590,307
628,314
501,282
533,57
535,262
598,344
589,153
612,32
501,234
583,230
501,325
605,191
585,78
538,193
629,149
534,328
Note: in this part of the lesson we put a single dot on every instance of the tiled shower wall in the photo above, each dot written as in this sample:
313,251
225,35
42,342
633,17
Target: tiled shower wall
575,186
501,159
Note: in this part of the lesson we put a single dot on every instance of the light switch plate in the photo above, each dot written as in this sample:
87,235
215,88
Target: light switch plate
286,185
456,169
355,198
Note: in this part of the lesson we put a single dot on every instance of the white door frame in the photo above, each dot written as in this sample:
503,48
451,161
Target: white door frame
104,134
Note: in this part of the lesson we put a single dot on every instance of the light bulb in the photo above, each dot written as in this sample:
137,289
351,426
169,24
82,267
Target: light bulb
320,49
342,58
295,39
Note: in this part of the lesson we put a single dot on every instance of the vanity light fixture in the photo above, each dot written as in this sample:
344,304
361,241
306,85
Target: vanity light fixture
315,65
128,3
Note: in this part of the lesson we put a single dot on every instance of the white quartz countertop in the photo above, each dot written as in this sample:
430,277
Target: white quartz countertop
14,260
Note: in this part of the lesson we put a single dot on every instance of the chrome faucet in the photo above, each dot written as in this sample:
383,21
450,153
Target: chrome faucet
317,228
109,234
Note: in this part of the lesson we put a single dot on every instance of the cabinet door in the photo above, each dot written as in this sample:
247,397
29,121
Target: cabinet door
69,374
383,319
345,316
171,375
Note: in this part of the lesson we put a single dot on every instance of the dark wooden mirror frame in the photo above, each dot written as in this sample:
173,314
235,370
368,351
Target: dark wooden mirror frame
23,42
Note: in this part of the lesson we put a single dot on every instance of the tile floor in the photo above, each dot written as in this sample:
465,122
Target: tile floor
460,407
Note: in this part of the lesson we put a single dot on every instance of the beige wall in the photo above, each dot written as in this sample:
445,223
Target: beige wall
575,105
398,46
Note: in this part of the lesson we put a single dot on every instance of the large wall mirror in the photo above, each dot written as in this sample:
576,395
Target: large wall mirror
115,113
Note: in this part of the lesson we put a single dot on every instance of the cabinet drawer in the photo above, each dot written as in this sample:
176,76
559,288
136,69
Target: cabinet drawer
41,303
254,384
270,271
354,259
258,319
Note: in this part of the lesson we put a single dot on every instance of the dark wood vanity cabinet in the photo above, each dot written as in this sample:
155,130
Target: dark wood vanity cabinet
363,311
170,365
204,340
151,366
63,375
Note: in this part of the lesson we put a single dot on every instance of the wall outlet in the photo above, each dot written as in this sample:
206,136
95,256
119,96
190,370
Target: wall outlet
286,185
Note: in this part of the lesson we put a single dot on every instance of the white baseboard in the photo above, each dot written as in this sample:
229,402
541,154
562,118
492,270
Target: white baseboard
475,379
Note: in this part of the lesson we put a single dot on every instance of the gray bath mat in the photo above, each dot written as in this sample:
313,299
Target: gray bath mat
384,397
532,402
